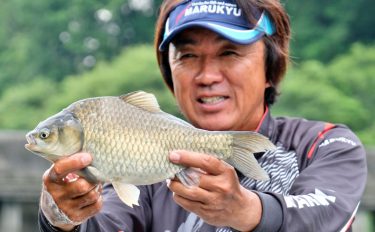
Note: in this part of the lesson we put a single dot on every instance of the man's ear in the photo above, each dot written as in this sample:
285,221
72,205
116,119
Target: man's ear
268,84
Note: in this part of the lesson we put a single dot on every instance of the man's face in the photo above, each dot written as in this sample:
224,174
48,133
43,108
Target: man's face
218,85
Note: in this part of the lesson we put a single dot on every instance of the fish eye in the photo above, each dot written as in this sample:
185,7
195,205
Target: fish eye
44,133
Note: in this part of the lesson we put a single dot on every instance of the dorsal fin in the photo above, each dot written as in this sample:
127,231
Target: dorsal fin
146,101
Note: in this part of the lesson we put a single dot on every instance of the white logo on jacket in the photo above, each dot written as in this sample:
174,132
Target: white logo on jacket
310,200
334,140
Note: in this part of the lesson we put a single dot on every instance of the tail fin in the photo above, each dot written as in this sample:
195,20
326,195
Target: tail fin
245,144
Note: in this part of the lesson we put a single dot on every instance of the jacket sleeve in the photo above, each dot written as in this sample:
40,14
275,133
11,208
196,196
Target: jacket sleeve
114,216
326,194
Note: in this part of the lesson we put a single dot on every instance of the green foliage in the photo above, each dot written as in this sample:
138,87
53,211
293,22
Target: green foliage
24,105
354,73
339,92
323,29
135,69
53,53
309,97
58,38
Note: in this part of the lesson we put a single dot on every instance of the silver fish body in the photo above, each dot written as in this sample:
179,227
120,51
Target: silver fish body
130,139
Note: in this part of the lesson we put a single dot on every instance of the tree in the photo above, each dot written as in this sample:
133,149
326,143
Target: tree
323,29
339,92
53,39
24,105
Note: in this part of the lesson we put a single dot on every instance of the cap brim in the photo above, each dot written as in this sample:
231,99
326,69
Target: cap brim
237,35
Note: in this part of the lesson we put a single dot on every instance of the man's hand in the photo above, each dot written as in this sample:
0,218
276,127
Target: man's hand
74,196
219,199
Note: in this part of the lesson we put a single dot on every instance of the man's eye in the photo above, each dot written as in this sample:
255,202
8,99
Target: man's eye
187,55
228,53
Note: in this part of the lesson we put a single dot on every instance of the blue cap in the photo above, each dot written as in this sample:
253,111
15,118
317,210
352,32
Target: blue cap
222,16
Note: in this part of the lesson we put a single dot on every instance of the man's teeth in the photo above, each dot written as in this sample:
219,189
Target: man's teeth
212,100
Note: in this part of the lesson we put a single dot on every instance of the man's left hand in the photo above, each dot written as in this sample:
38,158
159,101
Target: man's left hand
219,199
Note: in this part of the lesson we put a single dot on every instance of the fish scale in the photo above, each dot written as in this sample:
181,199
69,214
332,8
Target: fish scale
130,139
143,142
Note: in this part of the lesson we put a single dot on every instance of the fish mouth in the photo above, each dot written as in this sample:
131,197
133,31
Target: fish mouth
31,142
30,139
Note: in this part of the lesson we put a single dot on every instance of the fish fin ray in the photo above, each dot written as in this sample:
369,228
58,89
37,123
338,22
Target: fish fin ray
128,193
189,177
146,101
245,144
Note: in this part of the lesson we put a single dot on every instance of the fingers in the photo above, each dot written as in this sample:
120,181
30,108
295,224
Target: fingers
79,199
78,188
191,206
211,190
89,211
74,196
219,199
71,177
86,199
207,163
215,175
192,193
191,199
70,164
83,206
217,186
61,170
196,199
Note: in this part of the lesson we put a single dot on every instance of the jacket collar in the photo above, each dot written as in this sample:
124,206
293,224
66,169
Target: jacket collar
266,125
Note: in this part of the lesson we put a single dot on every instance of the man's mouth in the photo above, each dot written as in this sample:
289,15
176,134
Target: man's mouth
212,100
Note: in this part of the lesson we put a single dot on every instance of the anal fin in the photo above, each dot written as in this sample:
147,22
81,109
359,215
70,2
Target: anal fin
128,193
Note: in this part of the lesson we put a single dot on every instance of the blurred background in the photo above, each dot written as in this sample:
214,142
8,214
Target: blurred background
55,52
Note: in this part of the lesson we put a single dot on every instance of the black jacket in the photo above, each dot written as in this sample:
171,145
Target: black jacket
317,178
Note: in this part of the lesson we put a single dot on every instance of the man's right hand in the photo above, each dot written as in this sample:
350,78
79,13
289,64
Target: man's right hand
75,197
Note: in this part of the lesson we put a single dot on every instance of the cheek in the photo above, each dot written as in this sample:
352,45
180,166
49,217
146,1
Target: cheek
176,88
181,95
249,86
181,82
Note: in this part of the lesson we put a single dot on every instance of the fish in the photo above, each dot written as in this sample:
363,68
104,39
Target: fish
130,138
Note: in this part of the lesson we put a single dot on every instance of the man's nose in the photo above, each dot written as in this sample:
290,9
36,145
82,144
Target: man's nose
210,73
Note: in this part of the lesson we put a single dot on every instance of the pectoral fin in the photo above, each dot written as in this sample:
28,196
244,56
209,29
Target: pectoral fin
128,193
245,144
190,177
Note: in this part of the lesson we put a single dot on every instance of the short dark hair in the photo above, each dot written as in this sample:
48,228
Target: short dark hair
277,45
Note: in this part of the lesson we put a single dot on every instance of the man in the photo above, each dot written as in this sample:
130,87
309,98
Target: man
223,60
